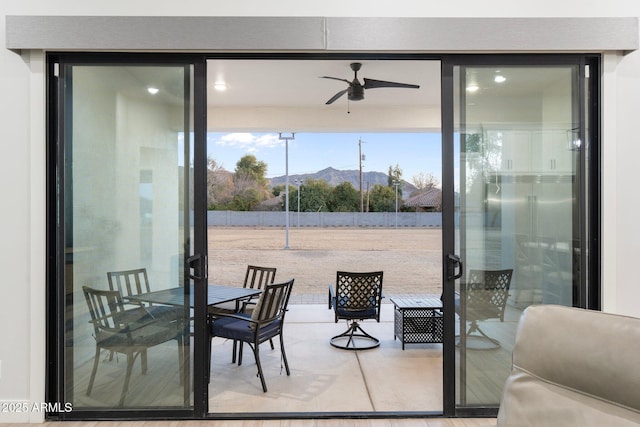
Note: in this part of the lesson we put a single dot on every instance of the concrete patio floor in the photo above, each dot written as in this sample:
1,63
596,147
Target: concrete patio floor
327,379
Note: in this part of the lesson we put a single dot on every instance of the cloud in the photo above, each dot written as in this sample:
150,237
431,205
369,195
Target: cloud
248,141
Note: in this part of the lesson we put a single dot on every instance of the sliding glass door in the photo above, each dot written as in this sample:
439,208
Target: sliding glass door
128,198
517,226
126,223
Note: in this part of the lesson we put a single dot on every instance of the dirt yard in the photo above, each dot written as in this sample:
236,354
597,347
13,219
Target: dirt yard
410,257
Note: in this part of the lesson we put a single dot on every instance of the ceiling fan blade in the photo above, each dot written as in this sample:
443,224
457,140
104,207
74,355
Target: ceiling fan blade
372,84
336,96
336,78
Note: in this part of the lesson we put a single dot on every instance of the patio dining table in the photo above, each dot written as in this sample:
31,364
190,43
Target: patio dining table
216,294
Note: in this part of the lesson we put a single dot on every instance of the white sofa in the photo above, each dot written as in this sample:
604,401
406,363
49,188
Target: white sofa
573,367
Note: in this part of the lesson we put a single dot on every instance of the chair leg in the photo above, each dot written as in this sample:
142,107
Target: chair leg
284,356
131,358
180,341
210,334
480,342
240,353
143,360
354,331
493,340
476,327
210,351
96,360
256,354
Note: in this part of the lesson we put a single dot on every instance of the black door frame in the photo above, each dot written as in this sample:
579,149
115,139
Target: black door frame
55,262
586,293
57,107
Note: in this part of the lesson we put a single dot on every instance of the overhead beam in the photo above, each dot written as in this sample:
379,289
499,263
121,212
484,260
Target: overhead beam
333,34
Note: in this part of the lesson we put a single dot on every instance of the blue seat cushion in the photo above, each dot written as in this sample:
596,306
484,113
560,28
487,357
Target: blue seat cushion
239,329
369,313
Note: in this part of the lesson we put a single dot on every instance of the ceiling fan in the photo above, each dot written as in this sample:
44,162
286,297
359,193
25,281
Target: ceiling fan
355,91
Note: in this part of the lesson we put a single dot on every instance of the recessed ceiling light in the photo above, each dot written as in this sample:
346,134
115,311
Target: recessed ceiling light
153,90
472,88
499,78
220,86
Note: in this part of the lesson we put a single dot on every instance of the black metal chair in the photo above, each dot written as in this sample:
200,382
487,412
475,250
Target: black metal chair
255,278
357,297
483,297
136,282
130,332
264,323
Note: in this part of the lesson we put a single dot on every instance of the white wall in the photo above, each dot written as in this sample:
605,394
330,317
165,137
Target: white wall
22,152
22,230
621,206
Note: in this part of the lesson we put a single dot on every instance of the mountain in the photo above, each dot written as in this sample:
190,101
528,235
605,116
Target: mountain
335,177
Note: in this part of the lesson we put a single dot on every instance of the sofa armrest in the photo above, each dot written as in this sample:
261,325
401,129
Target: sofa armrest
573,367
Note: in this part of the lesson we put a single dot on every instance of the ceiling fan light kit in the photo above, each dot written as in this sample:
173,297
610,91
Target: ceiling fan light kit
355,90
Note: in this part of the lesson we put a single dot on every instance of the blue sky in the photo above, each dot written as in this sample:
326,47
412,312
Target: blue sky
415,153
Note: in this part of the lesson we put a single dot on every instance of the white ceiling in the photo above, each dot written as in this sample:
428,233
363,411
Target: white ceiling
298,83
283,95
290,95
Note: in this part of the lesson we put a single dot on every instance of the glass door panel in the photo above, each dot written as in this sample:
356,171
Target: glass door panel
516,150
126,220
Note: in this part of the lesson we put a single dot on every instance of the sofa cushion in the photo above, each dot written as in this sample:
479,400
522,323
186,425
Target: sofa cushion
573,367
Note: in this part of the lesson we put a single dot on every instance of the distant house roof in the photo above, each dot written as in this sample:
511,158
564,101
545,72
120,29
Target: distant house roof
430,198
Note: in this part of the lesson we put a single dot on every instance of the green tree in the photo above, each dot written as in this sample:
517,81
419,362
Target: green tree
382,199
344,198
482,156
249,184
249,167
246,200
278,189
314,196
394,175
219,185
